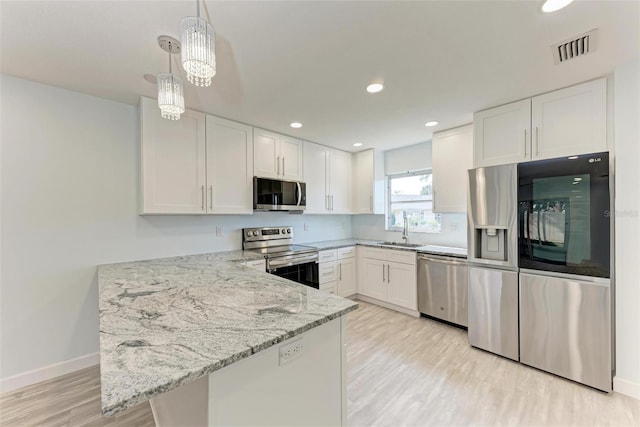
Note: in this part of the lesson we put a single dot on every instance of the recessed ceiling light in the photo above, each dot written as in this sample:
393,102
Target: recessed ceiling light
432,123
552,5
375,87
357,144
296,125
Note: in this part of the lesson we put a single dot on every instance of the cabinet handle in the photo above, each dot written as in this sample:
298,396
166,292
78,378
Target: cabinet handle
433,199
282,165
332,203
326,201
211,197
388,274
536,141
278,165
525,143
340,271
202,196
383,272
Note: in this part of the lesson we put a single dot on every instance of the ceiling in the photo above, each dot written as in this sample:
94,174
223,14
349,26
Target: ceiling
310,61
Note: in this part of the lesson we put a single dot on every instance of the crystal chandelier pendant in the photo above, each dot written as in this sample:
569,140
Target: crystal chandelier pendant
170,96
170,87
198,49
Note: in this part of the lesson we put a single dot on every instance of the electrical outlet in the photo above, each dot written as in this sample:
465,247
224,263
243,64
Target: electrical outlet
290,351
306,227
219,231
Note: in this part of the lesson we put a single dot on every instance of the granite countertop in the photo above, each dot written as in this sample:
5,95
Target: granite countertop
429,249
166,322
343,243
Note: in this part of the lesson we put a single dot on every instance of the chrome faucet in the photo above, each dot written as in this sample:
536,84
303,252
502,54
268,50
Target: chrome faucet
405,230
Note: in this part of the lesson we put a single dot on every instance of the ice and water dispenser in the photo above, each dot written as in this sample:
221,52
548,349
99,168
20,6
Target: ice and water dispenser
493,216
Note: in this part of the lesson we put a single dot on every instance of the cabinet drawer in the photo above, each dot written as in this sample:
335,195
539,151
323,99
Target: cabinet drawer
375,253
327,256
329,287
349,252
327,272
404,257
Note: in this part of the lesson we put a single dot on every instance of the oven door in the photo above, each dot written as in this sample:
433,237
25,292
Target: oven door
298,268
564,215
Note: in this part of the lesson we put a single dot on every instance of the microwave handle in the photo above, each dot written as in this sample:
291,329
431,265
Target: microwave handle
299,193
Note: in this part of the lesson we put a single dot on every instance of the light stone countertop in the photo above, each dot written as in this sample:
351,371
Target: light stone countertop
166,322
429,249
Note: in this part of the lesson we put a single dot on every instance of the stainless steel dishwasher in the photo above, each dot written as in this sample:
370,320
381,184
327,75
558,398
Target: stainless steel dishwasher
442,287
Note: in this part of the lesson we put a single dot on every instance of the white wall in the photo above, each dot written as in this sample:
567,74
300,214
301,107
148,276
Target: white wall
69,165
406,159
627,223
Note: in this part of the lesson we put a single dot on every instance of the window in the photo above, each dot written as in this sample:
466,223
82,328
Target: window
411,194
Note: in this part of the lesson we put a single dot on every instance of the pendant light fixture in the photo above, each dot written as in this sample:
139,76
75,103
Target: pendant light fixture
170,88
198,49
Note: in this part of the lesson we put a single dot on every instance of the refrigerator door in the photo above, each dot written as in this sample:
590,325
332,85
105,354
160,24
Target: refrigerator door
566,327
493,216
493,310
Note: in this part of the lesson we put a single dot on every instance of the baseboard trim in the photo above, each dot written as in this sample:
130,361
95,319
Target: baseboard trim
48,372
626,387
390,306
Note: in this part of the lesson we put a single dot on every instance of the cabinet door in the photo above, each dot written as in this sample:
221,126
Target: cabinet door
402,285
502,134
372,278
266,160
452,153
347,277
173,161
367,182
570,121
229,160
315,177
291,158
339,177
327,272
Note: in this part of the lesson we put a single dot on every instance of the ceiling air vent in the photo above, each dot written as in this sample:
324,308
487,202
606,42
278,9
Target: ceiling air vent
575,47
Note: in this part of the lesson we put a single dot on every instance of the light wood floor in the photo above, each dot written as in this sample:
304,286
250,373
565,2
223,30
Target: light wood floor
403,371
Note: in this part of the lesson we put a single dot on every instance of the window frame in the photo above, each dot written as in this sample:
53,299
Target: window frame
388,179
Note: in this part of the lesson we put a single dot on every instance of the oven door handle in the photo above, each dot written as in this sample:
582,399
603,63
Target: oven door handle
291,260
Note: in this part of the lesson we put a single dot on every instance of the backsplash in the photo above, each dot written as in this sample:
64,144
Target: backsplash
453,232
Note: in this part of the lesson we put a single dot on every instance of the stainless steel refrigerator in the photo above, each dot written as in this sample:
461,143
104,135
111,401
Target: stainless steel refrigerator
493,259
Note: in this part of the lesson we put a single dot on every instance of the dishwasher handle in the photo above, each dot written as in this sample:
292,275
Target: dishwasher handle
442,259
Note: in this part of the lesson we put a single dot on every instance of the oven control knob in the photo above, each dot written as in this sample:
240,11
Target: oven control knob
249,234
288,231
284,231
255,233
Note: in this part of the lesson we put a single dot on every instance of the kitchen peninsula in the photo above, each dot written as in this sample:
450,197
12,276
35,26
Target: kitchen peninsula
210,341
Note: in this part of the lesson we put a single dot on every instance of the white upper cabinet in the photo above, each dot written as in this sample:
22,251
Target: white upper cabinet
229,160
502,135
315,160
368,182
565,122
328,177
173,174
570,121
452,154
339,181
277,156
186,170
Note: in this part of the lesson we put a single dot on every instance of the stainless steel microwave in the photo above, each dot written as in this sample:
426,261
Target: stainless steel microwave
278,195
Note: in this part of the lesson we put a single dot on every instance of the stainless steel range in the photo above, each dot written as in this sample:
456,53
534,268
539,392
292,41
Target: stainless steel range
294,262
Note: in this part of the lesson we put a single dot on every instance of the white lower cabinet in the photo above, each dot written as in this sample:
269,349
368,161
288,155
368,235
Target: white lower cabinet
337,271
258,264
388,276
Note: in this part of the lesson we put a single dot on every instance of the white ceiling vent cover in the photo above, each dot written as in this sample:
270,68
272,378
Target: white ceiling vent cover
575,47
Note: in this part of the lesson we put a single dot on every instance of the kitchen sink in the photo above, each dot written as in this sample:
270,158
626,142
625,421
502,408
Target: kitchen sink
402,244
